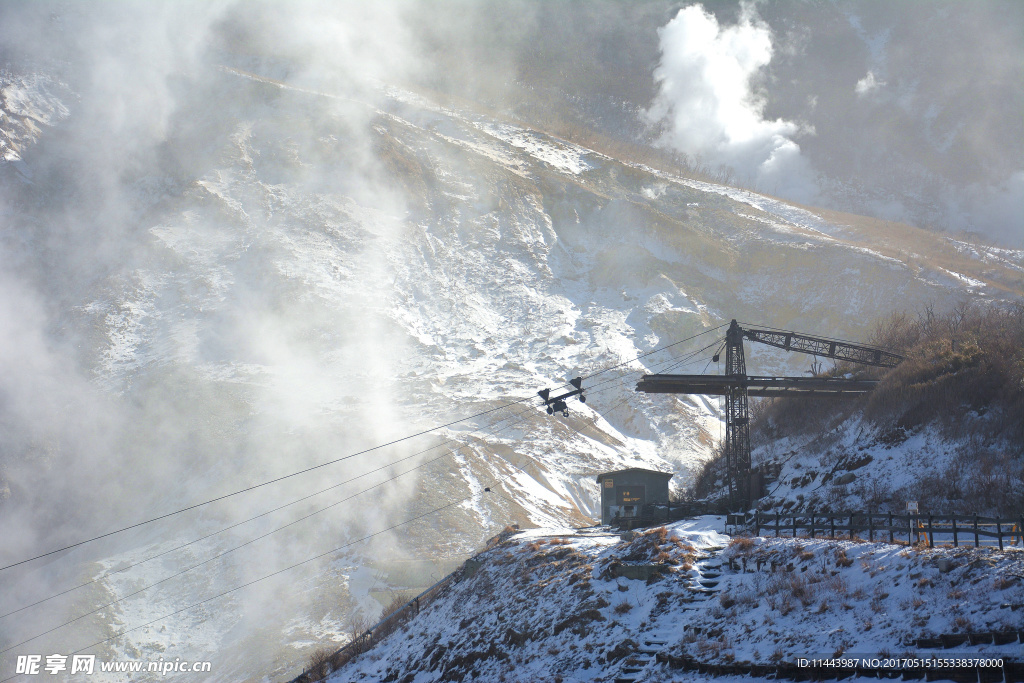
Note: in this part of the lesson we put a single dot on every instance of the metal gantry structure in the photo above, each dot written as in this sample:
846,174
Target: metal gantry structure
557,403
736,386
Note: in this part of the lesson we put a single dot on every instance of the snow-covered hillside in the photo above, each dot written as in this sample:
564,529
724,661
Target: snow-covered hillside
553,604
857,465
291,277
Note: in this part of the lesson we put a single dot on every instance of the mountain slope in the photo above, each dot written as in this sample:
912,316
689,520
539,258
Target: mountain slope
558,606
291,277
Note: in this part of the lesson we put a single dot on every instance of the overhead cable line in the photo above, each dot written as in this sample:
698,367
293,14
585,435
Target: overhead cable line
520,415
335,461
251,541
492,429
244,521
267,483
262,578
660,348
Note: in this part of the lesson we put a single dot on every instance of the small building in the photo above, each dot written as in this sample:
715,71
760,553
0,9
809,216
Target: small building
626,492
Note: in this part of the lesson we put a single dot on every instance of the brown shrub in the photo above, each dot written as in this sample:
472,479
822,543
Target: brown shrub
397,603
319,663
742,544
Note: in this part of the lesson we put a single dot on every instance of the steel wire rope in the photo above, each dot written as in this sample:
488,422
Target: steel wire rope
448,441
593,421
262,578
226,552
488,489
674,362
246,521
653,351
251,541
603,415
336,460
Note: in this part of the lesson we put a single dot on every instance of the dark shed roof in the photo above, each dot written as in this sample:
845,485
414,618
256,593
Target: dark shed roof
667,475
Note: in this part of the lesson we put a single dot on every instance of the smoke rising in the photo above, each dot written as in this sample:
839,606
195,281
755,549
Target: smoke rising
208,280
710,106
195,274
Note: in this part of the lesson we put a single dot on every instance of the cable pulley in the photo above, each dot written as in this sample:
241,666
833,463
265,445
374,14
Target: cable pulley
557,403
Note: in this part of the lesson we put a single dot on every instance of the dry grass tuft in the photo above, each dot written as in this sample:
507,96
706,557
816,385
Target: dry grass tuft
623,607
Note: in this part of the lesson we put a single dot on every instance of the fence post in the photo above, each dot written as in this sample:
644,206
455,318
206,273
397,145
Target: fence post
931,537
871,527
851,527
776,525
975,529
812,523
891,539
794,525
955,544
999,532
832,526
757,522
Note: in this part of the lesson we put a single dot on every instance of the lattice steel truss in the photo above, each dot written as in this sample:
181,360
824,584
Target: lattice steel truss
736,386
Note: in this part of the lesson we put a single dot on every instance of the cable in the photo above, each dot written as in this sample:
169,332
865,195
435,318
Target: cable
266,483
714,358
282,507
694,354
245,521
317,512
674,362
603,415
495,481
249,542
336,460
262,578
662,348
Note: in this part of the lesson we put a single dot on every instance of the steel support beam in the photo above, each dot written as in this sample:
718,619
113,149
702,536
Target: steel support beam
737,420
720,385
736,386
827,348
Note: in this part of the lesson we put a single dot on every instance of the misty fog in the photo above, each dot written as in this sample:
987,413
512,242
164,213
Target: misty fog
221,264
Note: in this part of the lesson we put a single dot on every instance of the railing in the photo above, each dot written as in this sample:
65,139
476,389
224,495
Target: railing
362,642
661,513
873,526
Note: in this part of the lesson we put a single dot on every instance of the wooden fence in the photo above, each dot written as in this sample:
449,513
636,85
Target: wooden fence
365,640
871,526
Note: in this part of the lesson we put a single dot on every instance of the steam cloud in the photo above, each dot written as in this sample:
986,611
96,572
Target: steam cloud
710,108
139,375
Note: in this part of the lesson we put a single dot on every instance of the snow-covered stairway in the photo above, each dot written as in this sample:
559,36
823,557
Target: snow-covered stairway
704,581
633,666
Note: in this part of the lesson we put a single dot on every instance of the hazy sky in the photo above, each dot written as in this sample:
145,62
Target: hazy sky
910,111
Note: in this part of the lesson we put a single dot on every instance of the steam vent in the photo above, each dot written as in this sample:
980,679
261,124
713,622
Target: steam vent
625,493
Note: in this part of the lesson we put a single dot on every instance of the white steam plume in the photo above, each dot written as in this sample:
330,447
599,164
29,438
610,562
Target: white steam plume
708,108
